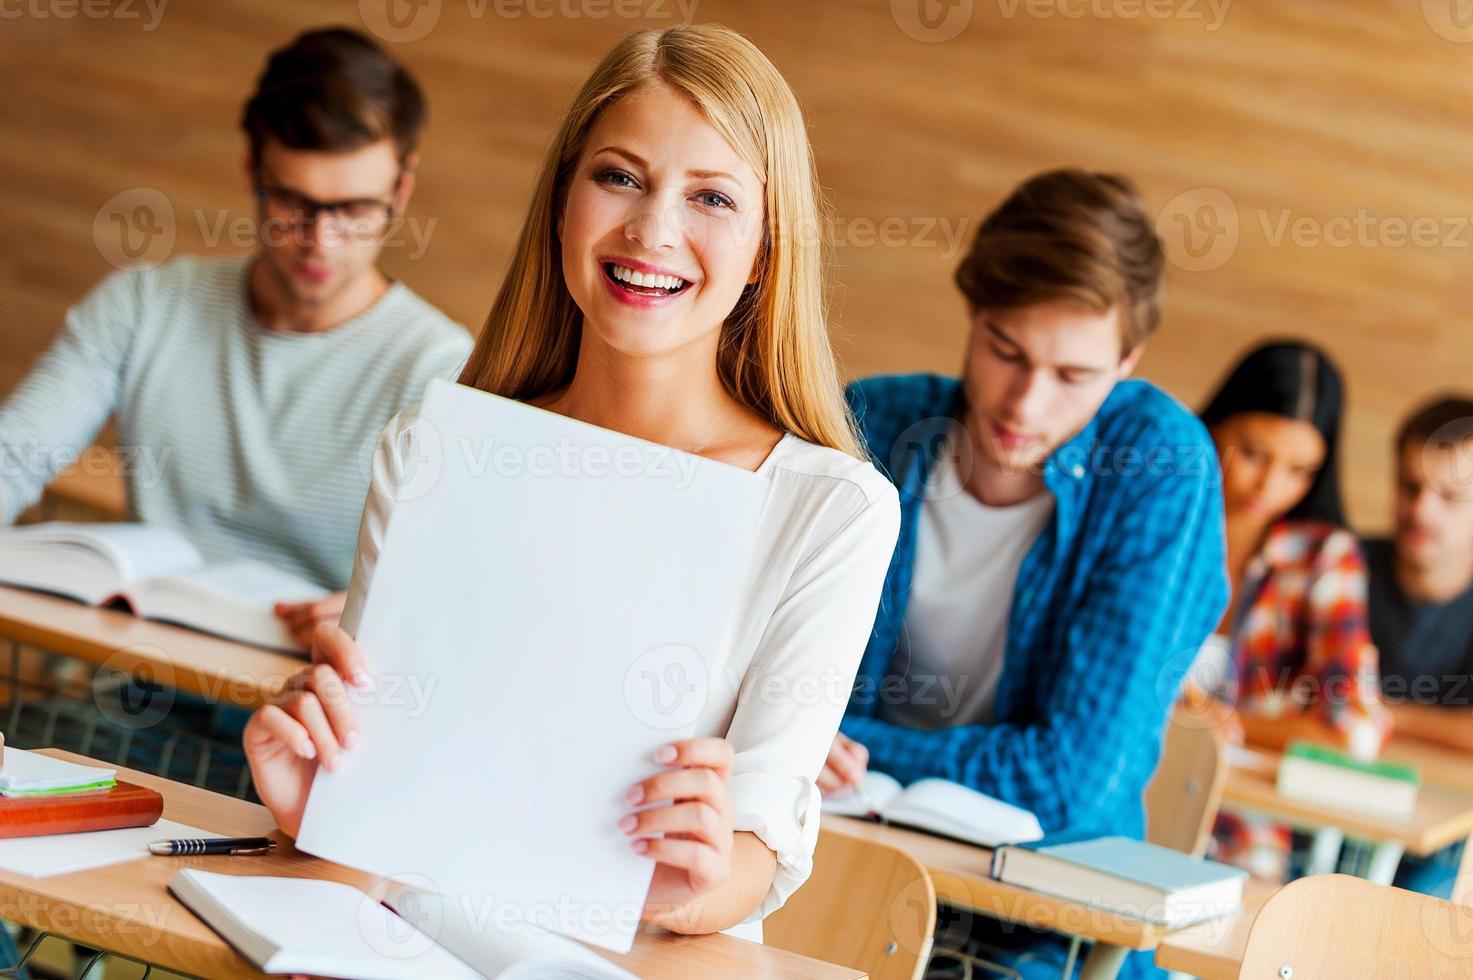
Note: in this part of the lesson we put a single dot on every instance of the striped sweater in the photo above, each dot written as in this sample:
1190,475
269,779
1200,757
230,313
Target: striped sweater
252,442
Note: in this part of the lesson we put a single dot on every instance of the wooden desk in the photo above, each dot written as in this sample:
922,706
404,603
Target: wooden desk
127,908
1443,817
1214,950
219,669
1439,764
961,874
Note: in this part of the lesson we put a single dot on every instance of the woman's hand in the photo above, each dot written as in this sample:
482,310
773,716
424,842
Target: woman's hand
308,723
302,618
694,855
845,767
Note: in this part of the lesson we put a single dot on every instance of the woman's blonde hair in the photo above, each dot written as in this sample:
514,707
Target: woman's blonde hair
774,354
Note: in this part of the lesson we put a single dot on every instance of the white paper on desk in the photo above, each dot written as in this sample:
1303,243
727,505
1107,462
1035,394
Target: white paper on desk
560,615
57,854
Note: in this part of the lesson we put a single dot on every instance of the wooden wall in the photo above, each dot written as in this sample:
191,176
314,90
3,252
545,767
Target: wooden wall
1326,148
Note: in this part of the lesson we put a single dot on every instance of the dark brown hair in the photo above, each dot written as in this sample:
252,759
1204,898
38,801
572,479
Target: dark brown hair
334,90
1071,236
1450,415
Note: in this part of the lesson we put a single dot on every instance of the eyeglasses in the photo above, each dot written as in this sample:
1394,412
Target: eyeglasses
360,220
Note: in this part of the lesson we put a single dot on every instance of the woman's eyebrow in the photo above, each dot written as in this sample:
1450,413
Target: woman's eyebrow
711,174
633,158
640,161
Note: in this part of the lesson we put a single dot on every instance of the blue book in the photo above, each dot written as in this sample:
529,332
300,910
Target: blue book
1126,877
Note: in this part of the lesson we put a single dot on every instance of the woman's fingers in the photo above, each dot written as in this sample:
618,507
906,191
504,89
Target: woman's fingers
700,860
272,723
307,710
333,698
829,781
711,753
697,819
679,784
332,646
317,700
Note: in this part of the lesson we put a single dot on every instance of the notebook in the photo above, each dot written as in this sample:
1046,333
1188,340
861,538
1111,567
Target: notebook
1125,876
24,773
317,928
1317,774
41,796
330,929
937,806
154,573
555,650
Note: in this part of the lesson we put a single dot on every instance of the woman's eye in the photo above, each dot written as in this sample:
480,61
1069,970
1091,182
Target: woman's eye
714,199
615,178
1010,356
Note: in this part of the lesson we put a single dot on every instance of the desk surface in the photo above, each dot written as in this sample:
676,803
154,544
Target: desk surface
1444,815
173,656
960,873
1438,764
1214,950
126,908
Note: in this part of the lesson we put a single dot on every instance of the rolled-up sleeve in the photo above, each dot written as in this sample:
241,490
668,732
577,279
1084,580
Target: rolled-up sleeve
794,693
389,477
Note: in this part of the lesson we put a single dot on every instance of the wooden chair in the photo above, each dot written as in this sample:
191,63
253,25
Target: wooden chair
1463,886
1182,798
867,906
1337,926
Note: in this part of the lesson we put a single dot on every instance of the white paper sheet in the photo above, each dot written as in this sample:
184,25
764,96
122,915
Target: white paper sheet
56,854
534,574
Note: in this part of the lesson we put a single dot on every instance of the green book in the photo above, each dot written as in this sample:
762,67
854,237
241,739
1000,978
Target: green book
1317,774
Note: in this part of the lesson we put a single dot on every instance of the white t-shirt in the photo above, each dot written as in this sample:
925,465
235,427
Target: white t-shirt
824,543
956,623
253,443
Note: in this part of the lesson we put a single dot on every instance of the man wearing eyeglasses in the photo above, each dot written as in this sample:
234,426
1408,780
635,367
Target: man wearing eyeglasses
259,384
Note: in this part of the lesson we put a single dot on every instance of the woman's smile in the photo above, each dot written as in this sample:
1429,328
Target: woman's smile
641,284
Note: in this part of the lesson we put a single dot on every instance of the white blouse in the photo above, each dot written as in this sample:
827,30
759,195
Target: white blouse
824,543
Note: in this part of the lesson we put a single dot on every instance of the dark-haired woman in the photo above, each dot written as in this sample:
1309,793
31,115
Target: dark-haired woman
1295,653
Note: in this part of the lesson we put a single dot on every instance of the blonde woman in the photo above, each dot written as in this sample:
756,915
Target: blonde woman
667,284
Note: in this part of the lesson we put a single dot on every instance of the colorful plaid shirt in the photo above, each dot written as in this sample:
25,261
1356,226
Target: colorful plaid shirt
1300,641
1301,636
1111,604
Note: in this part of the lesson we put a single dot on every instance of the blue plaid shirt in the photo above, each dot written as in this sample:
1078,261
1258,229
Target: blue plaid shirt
1111,604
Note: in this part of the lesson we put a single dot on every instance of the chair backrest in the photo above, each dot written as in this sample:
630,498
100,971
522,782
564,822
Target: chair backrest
1351,929
1463,886
1182,798
867,906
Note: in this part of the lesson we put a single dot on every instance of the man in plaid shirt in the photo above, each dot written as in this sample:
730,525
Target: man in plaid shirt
1061,554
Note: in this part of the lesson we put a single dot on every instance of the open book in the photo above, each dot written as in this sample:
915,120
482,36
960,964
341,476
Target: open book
155,573
938,806
329,929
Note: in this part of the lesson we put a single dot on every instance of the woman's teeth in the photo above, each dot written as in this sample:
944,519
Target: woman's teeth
645,280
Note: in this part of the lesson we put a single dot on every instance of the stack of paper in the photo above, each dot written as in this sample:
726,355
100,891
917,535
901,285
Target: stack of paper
568,619
28,774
